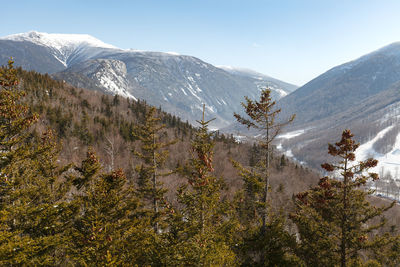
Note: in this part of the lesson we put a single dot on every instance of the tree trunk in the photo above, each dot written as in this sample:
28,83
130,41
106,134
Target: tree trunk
202,218
155,201
266,180
344,218
265,195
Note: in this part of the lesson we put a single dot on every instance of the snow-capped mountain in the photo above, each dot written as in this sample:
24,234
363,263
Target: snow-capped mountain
362,95
179,84
62,42
64,47
345,86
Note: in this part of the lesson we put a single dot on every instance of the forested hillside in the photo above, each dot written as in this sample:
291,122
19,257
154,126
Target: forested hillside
97,180
82,118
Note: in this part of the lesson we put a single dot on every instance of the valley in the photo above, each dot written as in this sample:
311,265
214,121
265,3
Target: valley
135,157
361,95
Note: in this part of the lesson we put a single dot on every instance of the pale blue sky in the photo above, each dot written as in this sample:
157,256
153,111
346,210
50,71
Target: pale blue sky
294,41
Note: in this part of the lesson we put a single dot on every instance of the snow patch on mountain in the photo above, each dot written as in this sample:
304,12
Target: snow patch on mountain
392,112
290,135
58,40
62,45
389,162
243,71
183,90
226,67
193,92
112,76
281,92
263,85
172,53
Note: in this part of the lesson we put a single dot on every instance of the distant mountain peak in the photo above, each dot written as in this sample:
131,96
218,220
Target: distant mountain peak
390,50
178,83
62,45
243,71
58,40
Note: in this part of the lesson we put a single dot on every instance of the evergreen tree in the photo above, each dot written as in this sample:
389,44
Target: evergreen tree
153,154
336,223
259,247
273,246
262,116
32,212
109,229
201,228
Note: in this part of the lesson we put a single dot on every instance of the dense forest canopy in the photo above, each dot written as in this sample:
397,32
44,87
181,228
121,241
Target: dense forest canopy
98,180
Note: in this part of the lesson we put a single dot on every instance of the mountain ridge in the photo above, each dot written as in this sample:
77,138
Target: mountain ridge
361,95
178,83
344,85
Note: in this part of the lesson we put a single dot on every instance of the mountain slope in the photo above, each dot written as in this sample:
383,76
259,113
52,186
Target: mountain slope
66,48
180,84
30,56
362,95
345,86
262,79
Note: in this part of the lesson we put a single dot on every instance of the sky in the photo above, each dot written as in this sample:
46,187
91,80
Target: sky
291,40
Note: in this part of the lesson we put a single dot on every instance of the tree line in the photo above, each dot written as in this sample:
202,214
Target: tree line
54,214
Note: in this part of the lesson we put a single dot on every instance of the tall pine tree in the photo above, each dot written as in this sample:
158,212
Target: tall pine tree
201,229
260,247
153,154
262,116
336,222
